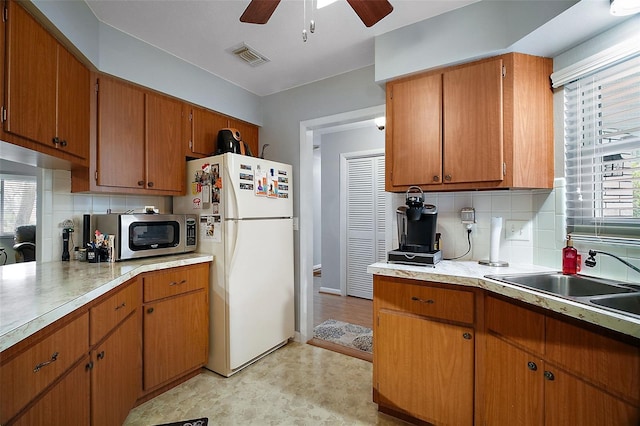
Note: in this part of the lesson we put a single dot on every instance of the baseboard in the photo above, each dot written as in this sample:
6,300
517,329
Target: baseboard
329,290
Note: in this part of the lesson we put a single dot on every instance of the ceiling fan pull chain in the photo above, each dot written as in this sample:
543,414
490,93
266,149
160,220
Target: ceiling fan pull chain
312,23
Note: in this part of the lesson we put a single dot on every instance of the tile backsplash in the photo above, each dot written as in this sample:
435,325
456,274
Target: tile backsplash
59,204
542,209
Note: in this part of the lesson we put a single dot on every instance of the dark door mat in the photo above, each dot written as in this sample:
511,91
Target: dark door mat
195,422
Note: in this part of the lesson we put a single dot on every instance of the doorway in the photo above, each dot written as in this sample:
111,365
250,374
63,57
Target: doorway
305,272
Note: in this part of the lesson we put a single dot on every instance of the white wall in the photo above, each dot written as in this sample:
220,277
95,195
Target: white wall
334,144
482,29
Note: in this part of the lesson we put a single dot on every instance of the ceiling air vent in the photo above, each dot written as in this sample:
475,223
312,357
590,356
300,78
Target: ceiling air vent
249,55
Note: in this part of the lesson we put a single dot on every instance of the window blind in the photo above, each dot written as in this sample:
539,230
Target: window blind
17,202
602,153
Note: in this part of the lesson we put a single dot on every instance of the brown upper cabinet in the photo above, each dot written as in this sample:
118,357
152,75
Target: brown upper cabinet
138,145
47,92
483,125
204,128
205,125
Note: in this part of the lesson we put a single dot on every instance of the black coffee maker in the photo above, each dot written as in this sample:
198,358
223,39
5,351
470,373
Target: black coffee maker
416,231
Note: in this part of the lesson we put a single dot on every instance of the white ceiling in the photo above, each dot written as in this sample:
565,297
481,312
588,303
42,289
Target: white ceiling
201,32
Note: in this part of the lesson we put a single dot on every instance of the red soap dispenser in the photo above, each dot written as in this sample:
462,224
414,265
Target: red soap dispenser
569,258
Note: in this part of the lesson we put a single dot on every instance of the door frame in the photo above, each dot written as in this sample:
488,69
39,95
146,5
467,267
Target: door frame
305,203
344,157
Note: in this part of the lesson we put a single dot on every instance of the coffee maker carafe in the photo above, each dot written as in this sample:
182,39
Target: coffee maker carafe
416,231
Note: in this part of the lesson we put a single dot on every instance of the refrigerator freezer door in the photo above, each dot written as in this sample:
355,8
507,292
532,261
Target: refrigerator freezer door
256,188
259,286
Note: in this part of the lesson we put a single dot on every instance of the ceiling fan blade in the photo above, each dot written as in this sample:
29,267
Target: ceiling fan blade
371,11
259,11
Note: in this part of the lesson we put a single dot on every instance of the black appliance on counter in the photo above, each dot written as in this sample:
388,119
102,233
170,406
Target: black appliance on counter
416,232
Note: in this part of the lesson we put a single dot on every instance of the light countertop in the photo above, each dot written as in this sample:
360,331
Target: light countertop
34,295
472,274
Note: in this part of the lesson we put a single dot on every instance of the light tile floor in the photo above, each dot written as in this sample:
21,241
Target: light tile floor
298,384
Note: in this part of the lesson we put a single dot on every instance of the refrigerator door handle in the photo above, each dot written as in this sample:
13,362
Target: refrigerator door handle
233,240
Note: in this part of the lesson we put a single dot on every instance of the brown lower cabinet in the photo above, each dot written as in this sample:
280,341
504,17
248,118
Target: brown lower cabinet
514,365
418,328
87,368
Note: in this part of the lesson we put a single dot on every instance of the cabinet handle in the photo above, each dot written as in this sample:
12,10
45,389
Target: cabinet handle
447,178
436,178
54,357
89,366
177,283
150,184
150,310
549,376
532,366
55,140
140,183
427,301
466,336
63,143
120,306
101,355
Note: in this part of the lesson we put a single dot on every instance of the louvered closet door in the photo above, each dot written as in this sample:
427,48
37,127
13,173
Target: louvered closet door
365,222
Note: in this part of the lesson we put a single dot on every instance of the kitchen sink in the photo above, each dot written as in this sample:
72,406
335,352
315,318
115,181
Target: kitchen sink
565,285
629,303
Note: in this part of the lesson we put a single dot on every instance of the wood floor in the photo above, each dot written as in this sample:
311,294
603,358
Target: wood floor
349,309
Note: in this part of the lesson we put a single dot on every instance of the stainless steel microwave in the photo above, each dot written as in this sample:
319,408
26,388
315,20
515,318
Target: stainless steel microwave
145,235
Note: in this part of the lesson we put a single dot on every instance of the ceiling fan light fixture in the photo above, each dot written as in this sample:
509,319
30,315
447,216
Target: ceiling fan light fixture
624,7
324,3
249,55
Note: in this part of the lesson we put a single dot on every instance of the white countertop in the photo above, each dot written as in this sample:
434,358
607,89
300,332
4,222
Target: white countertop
472,274
34,295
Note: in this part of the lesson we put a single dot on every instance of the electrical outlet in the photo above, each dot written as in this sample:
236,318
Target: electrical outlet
517,230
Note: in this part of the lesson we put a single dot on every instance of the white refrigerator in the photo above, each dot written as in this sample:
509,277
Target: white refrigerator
245,213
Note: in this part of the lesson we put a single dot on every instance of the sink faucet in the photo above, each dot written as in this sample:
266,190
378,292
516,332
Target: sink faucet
591,260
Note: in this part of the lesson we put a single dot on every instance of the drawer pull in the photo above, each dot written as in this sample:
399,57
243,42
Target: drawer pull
120,306
427,301
54,357
177,283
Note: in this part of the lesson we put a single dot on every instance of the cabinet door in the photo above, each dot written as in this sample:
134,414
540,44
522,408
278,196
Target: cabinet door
31,78
569,400
513,386
425,368
116,377
176,333
249,133
73,104
165,160
67,403
120,147
205,126
473,123
414,136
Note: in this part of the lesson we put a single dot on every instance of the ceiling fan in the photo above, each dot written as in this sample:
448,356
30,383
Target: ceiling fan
369,11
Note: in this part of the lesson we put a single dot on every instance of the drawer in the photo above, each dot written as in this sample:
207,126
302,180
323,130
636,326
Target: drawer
106,315
435,302
174,281
515,323
30,372
597,358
